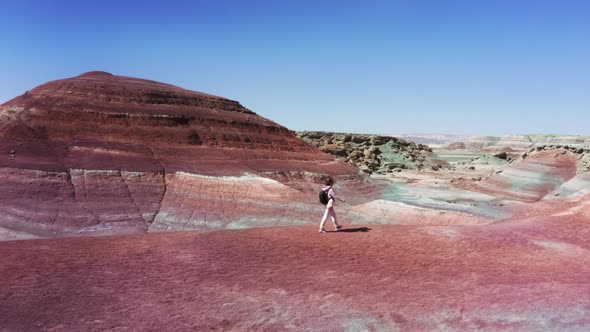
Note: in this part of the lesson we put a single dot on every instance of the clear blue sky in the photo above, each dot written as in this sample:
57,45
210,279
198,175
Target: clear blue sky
459,67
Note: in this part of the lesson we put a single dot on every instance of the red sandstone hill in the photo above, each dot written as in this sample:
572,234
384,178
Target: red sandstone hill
103,154
146,124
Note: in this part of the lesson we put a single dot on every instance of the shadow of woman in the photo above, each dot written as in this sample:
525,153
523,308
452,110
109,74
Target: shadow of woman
354,230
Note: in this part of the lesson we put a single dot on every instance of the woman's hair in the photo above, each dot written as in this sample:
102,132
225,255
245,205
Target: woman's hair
329,181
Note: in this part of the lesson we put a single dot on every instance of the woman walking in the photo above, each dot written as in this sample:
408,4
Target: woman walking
330,205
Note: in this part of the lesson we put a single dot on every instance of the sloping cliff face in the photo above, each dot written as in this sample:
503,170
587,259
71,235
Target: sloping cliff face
103,154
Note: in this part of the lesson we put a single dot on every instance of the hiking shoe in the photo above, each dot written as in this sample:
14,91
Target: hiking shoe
322,230
339,227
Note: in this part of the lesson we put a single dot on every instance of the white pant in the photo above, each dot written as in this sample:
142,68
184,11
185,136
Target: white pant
329,212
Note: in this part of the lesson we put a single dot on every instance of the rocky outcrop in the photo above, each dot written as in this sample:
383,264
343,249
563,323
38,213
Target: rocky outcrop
375,153
584,164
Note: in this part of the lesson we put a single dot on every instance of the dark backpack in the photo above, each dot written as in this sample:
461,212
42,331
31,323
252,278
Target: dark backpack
324,197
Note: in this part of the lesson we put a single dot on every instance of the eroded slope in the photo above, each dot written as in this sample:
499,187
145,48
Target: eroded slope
105,154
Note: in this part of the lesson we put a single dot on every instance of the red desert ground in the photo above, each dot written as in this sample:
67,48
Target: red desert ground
128,204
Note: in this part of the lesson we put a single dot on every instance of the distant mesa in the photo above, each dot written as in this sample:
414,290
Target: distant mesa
497,143
433,140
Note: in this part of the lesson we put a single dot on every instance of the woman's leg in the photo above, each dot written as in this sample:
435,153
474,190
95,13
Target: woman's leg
325,217
333,215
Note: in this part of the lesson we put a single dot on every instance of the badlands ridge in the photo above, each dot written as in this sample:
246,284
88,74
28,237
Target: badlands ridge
470,234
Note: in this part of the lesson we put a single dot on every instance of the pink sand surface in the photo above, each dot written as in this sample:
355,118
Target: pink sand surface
519,275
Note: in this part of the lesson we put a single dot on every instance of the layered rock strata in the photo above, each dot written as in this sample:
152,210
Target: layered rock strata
106,120
582,155
106,154
530,177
